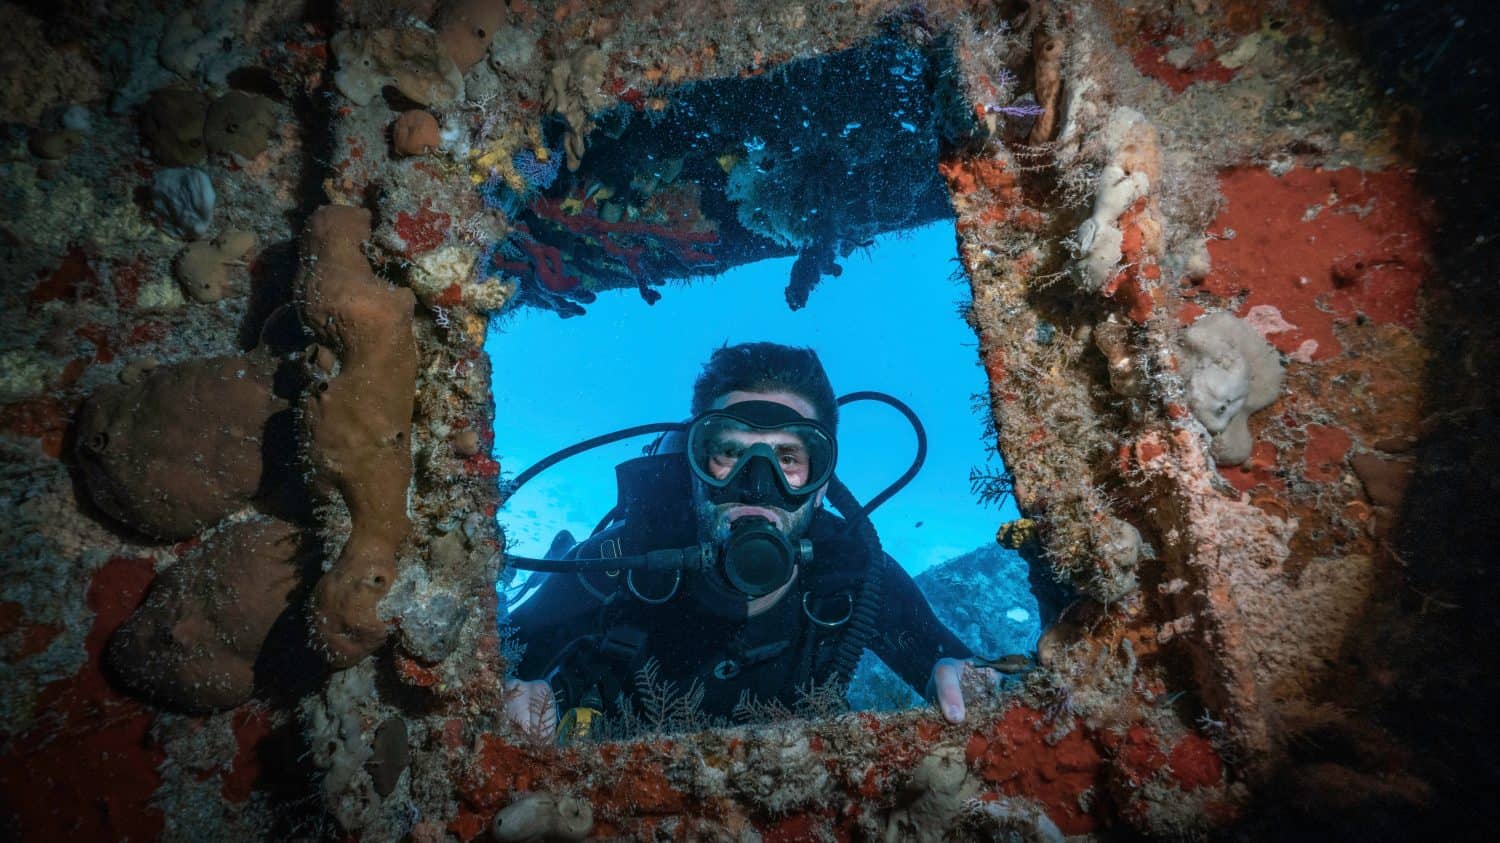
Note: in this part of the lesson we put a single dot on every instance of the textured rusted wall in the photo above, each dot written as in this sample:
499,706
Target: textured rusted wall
1259,644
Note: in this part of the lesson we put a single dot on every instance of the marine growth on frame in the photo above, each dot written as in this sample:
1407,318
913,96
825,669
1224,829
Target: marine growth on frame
752,475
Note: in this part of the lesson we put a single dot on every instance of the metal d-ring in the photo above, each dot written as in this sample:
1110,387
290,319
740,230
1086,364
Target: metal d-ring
608,549
828,624
654,601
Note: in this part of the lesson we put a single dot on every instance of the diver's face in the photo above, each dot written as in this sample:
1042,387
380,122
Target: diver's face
714,519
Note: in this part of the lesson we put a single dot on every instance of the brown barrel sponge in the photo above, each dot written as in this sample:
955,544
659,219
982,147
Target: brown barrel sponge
172,126
358,423
466,28
240,123
181,448
415,132
194,641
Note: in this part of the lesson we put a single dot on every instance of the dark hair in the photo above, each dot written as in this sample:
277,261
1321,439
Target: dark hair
767,367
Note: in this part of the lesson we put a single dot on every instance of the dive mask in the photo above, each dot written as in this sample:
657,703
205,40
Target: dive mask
760,453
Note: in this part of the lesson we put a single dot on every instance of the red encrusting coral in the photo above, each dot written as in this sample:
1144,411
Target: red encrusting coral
636,789
670,223
423,230
126,277
1258,471
1324,455
73,281
482,466
44,419
1195,763
252,724
29,638
965,176
1203,66
85,767
451,296
1137,757
1136,285
1022,756
412,672
1060,764
1004,204
1323,247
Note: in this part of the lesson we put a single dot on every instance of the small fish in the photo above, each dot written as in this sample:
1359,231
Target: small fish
1011,664
918,524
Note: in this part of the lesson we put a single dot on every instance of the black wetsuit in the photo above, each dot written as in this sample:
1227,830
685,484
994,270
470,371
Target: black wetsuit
591,632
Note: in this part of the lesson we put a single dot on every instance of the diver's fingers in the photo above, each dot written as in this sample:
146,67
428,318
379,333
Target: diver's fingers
530,707
947,689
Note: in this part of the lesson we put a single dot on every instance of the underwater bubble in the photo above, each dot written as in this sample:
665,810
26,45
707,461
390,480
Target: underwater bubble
906,72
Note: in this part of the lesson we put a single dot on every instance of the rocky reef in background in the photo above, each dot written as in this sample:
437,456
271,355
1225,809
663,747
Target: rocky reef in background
1233,292
986,597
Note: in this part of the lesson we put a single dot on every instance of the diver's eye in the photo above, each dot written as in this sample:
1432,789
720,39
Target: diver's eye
793,465
722,457
792,455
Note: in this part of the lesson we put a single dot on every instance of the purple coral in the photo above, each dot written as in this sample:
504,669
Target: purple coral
1023,110
539,174
1004,80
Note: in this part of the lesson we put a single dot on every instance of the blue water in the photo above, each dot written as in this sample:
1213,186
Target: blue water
890,322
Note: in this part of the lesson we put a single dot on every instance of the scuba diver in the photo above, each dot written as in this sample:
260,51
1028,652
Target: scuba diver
721,566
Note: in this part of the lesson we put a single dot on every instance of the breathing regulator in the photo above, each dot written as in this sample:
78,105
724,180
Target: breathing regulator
759,454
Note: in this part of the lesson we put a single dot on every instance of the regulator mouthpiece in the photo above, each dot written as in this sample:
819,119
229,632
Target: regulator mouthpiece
757,557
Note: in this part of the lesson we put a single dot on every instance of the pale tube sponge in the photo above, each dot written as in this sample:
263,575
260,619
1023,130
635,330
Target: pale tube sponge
1231,372
1124,179
183,199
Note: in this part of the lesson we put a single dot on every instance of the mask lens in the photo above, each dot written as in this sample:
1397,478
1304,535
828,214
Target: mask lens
718,444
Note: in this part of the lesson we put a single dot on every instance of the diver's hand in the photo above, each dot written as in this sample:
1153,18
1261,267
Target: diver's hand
947,685
530,707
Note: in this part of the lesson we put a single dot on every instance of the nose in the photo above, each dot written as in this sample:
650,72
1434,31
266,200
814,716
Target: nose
760,482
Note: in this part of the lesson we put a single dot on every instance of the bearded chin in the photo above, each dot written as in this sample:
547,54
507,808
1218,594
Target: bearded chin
713,521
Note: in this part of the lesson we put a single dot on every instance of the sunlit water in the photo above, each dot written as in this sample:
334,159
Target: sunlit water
891,322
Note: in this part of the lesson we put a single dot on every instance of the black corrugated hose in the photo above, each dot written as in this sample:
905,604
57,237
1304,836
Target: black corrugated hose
867,604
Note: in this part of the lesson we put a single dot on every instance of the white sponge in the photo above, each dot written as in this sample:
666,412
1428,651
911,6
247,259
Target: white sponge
1231,372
